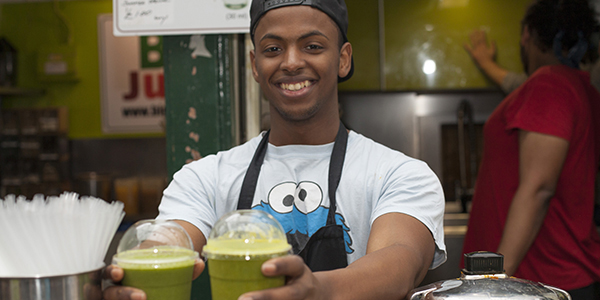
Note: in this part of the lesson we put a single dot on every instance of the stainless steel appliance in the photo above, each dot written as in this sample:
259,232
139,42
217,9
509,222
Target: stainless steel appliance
484,278
415,124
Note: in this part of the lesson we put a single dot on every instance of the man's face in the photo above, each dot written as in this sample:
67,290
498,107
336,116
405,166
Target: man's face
524,60
297,61
525,46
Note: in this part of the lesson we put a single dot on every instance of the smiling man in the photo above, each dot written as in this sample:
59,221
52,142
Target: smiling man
364,221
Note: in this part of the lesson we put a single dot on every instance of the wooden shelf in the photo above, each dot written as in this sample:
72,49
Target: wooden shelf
25,92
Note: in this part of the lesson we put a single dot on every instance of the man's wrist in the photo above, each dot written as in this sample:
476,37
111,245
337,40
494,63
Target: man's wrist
486,64
326,287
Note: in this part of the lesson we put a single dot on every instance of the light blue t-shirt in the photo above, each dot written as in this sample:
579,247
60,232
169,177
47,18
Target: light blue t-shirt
293,187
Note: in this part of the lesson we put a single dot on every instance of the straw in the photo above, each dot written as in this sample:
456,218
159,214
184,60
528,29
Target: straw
57,235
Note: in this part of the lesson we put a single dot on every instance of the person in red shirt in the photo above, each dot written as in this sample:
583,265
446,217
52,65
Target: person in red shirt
534,195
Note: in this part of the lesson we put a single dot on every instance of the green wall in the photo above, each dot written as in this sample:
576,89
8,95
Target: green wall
33,26
363,34
415,30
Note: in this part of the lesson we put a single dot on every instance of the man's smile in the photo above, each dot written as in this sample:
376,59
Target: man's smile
295,86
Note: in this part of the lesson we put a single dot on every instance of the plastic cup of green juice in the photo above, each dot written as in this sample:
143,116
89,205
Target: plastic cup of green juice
238,245
158,258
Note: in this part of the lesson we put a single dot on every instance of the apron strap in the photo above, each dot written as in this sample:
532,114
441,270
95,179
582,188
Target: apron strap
336,163
251,177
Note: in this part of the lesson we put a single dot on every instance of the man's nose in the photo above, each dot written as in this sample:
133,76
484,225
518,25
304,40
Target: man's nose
293,60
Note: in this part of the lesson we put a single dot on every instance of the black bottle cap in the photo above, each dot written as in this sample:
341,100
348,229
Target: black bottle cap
483,262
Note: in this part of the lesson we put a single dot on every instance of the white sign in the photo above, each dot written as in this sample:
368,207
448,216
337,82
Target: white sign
171,17
131,88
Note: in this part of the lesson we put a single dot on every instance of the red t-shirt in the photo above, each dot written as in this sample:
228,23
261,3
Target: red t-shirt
558,101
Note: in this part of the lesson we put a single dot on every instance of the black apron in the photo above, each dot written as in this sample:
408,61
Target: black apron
325,249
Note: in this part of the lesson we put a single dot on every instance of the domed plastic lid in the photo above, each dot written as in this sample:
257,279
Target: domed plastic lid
246,233
154,242
146,234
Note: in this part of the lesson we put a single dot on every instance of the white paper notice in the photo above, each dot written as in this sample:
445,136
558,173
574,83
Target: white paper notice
146,12
175,17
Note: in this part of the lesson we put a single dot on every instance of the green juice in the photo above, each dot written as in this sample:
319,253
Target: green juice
164,273
234,266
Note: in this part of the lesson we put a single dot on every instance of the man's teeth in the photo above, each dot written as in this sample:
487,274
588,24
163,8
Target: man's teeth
295,86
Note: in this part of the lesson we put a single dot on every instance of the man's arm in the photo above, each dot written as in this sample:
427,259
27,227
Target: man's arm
399,253
198,238
541,158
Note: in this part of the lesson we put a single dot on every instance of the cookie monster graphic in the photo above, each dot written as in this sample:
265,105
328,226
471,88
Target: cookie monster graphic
297,206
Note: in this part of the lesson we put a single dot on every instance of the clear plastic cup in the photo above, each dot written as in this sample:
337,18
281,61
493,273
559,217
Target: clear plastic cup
157,257
240,242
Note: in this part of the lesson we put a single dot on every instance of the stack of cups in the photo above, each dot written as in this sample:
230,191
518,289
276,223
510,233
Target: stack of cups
238,245
157,257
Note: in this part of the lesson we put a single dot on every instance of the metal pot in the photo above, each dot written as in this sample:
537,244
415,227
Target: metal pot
83,286
484,278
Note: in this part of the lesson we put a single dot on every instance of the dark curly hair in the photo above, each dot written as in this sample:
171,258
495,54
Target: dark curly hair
546,18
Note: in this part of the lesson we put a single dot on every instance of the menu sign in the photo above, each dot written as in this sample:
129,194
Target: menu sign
174,17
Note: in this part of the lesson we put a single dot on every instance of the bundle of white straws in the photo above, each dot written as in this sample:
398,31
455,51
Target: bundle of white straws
55,236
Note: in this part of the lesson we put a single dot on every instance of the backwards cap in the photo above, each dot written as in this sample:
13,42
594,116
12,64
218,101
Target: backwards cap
335,9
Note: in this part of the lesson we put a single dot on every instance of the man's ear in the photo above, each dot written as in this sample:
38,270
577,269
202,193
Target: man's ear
525,35
345,60
253,63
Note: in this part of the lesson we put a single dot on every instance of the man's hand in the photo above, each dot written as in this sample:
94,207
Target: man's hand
115,274
484,55
301,283
479,48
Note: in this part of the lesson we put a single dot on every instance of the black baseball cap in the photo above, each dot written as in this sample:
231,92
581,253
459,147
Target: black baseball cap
335,9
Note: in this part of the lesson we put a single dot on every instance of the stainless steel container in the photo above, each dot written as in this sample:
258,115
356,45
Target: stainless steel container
83,286
484,278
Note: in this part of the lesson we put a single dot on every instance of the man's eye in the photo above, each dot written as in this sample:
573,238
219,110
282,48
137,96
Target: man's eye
272,49
314,47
